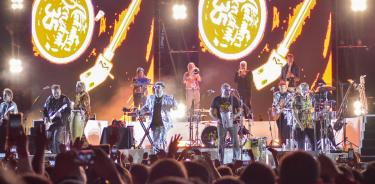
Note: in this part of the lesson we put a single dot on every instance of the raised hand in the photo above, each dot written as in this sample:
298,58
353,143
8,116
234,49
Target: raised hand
172,148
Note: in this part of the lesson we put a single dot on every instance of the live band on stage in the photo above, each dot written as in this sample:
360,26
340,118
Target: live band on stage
303,114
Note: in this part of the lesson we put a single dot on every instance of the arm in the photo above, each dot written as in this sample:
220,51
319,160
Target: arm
45,109
238,109
198,77
38,159
213,114
236,77
145,107
185,77
24,165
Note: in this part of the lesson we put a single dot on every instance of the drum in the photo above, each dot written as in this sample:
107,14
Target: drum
76,125
258,146
209,137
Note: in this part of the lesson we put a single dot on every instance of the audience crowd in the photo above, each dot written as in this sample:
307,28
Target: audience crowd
94,165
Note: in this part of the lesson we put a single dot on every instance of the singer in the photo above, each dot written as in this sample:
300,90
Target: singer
191,80
225,109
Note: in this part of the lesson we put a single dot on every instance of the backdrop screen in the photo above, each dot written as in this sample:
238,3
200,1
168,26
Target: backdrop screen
103,42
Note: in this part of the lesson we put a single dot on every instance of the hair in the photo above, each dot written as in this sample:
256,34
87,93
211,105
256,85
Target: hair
225,85
197,170
190,63
225,171
9,92
290,55
82,84
140,69
228,180
55,86
166,167
299,167
243,63
171,180
258,173
35,179
139,173
328,169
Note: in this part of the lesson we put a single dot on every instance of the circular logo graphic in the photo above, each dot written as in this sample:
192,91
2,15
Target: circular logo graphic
62,29
231,29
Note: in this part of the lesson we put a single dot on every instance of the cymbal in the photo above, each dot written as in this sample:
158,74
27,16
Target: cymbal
325,88
202,110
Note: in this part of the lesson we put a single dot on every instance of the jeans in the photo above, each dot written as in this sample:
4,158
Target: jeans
222,132
59,136
284,129
192,95
159,137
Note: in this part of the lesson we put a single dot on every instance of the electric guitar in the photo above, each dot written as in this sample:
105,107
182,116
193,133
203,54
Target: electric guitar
52,116
6,113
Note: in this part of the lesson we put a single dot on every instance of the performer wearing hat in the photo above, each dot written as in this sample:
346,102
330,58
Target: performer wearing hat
159,105
281,111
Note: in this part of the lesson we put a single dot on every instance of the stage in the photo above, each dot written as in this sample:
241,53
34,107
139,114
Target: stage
258,129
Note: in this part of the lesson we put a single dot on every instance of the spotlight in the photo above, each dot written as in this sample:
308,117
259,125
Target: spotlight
180,112
15,66
17,4
359,5
179,11
358,110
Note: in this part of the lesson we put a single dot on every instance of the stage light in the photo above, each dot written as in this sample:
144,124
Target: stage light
358,108
359,5
179,11
17,4
15,66
180,112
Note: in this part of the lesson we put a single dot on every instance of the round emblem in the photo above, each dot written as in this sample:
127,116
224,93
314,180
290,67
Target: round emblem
231,29
62,29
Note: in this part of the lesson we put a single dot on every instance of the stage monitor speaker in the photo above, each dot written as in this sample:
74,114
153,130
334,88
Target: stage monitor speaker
120,136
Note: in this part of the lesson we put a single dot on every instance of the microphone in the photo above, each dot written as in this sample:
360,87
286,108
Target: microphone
46,87
232,89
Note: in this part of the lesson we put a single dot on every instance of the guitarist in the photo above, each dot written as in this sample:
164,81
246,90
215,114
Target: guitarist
281,110
57,110
8,106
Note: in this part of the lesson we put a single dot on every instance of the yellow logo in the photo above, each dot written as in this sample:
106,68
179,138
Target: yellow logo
62,29
231,29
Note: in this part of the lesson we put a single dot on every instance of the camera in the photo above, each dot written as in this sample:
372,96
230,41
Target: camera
114,152
86,157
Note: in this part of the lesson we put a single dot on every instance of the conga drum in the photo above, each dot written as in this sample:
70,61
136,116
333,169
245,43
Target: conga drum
77,124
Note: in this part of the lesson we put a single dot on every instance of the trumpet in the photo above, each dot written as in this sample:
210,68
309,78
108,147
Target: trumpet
196,70
242,72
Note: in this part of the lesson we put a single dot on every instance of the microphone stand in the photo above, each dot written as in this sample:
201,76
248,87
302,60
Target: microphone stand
270,127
